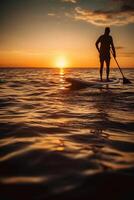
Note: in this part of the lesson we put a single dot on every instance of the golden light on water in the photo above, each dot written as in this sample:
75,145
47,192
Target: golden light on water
62,78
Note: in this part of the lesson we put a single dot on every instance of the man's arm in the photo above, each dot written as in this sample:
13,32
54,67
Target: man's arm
113,48
97,44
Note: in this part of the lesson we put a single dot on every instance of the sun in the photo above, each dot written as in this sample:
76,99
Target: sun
61,62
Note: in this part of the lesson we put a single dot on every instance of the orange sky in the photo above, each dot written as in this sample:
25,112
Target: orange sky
37,34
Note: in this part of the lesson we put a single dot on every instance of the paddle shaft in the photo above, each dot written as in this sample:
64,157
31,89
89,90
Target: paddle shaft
125,80
117,64
119,67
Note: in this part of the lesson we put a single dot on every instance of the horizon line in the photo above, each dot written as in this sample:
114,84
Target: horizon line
32,67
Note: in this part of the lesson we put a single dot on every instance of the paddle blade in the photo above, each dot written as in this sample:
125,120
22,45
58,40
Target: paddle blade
126,81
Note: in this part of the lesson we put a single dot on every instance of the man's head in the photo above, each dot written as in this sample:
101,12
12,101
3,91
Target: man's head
107,30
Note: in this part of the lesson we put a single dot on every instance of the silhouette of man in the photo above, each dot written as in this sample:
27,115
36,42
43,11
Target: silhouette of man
103,45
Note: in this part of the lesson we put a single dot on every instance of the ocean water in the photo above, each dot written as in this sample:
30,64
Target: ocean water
53,138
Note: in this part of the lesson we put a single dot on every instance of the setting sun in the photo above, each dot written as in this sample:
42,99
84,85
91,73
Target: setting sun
61,62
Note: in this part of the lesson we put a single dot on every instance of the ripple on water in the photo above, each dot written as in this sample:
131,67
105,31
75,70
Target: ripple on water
52,135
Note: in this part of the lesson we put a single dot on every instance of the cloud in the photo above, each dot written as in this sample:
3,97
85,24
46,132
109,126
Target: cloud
123,16
51,14
119,47
127,54
124,1
123,53
125,6
71,1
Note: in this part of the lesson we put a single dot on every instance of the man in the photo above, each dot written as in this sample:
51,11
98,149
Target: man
106,42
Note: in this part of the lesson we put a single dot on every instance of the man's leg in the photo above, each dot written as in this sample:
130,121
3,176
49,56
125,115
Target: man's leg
101,68
108,68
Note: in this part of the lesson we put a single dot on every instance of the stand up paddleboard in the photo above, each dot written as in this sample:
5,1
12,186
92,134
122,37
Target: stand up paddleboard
79,83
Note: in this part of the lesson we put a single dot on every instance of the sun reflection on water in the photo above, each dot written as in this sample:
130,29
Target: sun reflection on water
62,78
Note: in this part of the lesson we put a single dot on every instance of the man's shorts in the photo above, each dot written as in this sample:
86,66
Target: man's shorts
105,57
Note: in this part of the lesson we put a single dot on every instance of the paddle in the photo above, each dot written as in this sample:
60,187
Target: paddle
125,80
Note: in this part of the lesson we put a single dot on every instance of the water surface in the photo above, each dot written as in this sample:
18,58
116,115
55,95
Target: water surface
56,137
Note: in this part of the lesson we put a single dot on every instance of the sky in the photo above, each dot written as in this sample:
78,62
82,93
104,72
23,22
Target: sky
45,33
